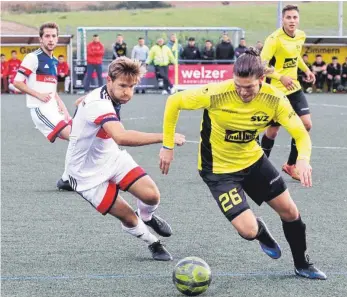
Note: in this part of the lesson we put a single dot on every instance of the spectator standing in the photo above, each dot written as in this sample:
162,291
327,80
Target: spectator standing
95,54
119,47
191,51
319,68
208,52
225,50
4,74
140,51
63,71
173,46
333,74
161,56
241,48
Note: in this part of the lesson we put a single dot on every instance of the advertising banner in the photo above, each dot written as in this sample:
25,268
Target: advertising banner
192,75
327,52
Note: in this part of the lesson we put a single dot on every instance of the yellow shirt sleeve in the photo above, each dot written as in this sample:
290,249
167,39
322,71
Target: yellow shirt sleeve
188,100
268,52
302,65
287,117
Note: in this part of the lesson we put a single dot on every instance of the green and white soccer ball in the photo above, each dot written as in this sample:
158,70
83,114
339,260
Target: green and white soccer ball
192,276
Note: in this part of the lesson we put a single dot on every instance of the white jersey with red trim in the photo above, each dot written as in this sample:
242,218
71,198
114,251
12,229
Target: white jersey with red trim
94,154
40,72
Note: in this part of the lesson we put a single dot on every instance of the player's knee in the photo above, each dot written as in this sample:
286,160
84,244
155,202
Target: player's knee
289,213
151,195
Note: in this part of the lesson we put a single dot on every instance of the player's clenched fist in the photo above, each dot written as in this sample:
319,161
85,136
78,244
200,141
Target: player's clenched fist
180,139
45,97
78,101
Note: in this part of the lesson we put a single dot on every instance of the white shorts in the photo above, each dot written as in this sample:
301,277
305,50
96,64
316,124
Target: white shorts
103,196
48,120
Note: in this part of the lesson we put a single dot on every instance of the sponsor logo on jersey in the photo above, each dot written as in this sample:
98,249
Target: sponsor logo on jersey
260,118
46,78
292,113
290,62
240,136
46,66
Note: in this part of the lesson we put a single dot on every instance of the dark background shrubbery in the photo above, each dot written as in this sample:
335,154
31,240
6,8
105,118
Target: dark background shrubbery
43,7
39,7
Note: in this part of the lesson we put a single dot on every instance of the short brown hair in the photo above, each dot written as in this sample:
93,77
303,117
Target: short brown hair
289,8
123,66
50,26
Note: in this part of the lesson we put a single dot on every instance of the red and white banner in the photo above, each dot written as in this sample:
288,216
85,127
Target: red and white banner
199,74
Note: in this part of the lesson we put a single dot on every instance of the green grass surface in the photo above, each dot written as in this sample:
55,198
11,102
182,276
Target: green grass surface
258,20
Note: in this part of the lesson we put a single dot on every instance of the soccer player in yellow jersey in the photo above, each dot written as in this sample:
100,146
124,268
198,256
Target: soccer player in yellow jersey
231,162
282,50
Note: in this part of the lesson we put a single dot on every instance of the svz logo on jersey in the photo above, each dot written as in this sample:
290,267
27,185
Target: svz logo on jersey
259,118
290,62
240,136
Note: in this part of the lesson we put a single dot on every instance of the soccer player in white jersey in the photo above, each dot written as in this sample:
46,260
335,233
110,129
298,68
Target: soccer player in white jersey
37,77
98,168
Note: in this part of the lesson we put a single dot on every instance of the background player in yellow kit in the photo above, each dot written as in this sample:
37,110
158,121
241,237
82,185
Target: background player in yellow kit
231,162
282,50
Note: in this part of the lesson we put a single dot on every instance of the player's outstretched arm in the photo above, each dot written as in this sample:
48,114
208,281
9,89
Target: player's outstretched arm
188,100
287,117
136,138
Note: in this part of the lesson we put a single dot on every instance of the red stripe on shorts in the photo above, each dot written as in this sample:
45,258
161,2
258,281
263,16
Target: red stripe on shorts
58,128
109,198
132,176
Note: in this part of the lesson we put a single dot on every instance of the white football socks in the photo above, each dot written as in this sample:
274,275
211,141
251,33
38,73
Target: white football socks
146,211
65,176
141,231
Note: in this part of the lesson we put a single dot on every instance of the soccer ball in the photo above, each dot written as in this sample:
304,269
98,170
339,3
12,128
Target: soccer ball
192,276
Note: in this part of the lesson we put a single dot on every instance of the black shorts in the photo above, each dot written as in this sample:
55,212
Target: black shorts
261,182
299,104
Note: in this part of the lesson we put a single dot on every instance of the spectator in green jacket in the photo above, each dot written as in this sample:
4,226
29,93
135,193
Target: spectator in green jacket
161,56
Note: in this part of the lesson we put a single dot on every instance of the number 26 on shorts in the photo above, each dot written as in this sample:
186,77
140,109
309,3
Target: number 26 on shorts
230,199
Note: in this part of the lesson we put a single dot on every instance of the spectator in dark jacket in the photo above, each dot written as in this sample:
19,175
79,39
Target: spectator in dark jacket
119,48
95,53
225,50
191,52
208,53
241,48
333,74
305,84
344,73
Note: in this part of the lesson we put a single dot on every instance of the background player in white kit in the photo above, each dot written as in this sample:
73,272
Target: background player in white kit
37,77
98,168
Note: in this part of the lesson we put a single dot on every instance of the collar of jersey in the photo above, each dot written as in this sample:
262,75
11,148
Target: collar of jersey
284,31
